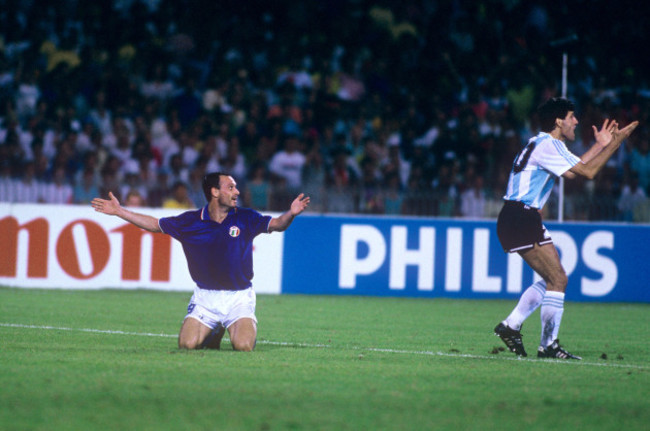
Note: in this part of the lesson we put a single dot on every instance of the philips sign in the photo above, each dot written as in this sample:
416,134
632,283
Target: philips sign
422,259
453,258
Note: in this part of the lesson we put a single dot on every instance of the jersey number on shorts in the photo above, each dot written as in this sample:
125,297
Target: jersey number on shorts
522,158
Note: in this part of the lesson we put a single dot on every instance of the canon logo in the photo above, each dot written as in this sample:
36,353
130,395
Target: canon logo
78,241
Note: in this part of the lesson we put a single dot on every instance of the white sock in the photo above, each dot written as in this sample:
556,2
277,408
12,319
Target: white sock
529,301
551,314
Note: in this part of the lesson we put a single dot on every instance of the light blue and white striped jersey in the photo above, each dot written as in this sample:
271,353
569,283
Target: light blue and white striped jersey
535,169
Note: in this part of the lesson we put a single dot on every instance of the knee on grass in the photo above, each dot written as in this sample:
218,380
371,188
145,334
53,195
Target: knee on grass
189,343
243,345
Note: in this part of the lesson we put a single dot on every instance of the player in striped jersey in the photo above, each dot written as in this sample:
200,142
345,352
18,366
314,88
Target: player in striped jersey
520,228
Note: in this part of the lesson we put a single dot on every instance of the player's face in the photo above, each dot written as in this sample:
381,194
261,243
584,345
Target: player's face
568,126
228,192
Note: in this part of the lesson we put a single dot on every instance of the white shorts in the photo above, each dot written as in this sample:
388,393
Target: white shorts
214,307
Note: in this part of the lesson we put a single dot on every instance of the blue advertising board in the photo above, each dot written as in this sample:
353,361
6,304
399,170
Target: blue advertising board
454,258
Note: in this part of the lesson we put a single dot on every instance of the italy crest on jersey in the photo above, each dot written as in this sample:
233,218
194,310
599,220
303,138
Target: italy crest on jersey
234,231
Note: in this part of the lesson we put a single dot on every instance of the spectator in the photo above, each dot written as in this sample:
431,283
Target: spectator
342,183
195,185
288,163
314,178
178,171
640,162
445,190
370,189
234,163
27,189
418,198
27,95
100,115
132,183
59,190
85,189
473,199
395,163
187,149
632,197
394,196
6,183
158,85
257,192
103,91
134,199
179,198
188,102
157,194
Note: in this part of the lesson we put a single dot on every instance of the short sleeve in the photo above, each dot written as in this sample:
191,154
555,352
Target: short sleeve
173,226
259,223
555,157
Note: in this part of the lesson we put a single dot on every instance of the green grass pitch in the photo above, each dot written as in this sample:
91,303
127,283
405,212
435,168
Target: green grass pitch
81,360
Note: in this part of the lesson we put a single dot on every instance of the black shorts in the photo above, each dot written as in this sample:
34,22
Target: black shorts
519,227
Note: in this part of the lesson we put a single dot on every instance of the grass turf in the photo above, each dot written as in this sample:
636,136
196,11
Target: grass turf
108,360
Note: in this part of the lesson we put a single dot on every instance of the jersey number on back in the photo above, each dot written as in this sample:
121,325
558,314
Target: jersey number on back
522,158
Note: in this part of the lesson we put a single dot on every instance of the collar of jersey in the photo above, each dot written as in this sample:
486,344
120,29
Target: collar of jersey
205,215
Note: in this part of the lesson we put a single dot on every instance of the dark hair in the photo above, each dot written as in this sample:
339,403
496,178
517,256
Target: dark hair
178,184
211,180
549,111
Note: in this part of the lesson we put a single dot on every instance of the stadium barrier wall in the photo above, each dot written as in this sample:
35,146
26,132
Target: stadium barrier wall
75,247
454,258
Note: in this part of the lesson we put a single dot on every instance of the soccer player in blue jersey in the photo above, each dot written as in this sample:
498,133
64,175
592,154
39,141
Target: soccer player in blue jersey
218,244
519,225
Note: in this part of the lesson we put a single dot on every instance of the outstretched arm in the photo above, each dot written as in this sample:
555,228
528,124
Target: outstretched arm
603,138
281,223
593,160
112,207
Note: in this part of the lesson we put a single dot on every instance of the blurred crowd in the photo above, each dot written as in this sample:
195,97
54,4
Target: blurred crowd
410,107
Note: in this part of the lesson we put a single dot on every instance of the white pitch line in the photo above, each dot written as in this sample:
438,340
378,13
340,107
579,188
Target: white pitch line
95,331
321,346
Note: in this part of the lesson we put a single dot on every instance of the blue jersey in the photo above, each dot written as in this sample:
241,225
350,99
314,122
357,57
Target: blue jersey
535,169
219,255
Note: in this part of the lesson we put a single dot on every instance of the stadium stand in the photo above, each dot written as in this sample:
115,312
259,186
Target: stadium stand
410,107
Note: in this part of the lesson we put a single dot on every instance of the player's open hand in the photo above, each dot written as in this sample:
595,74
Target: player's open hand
606,133
299,204
110,206
626,131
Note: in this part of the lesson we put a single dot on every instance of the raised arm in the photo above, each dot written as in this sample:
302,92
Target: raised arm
281,223
603,137
112,207
595,158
